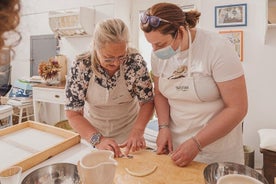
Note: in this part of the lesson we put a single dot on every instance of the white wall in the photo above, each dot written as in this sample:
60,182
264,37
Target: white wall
259,58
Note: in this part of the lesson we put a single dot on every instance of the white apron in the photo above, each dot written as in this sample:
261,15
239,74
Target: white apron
114,111
189,114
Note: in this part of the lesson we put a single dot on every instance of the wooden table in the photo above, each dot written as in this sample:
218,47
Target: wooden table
167,172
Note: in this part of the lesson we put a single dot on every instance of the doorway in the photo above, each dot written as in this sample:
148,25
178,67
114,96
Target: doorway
42,48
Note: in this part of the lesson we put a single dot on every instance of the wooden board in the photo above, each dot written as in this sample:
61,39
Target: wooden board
166,172
30,143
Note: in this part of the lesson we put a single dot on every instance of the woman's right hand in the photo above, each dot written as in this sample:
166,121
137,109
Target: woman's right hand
164,141
109,144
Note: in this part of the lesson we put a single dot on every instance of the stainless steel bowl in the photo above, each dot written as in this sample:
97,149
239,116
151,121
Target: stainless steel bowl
214,171
60,173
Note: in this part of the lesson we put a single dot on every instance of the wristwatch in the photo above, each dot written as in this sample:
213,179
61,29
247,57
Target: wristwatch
95,139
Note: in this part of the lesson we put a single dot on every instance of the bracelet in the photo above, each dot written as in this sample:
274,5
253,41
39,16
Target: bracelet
197,143
163,126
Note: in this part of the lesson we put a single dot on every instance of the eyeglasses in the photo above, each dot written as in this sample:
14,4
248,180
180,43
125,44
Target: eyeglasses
153,20
111,60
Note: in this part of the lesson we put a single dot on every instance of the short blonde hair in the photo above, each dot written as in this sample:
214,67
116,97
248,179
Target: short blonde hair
107,31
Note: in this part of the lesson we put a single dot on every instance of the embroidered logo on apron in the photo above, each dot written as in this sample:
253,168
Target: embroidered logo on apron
182,88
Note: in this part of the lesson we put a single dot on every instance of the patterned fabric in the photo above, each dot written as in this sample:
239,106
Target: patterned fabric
136,76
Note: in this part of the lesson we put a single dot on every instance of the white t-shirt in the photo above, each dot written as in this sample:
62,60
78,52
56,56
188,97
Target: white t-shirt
214,59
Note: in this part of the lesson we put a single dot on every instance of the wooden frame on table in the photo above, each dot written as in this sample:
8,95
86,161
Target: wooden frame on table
235,37
231,15
30,143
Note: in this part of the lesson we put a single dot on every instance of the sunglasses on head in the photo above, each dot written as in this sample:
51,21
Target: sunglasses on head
152,20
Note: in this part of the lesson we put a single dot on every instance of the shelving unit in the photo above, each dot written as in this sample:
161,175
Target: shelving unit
72,23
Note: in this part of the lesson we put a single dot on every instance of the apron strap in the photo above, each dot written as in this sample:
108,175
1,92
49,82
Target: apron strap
189,53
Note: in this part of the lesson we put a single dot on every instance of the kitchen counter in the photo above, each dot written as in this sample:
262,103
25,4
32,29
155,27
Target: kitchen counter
54,94
166,172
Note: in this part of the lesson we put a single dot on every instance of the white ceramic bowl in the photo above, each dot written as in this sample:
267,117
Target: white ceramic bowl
213,172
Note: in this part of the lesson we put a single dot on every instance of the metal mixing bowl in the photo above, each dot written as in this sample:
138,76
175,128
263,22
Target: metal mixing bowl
214,171
60,173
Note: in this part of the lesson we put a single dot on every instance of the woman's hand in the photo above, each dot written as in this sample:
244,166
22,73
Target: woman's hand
164,141
185,153
110,144
135,141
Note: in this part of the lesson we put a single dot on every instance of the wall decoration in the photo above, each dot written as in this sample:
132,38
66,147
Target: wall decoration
231,15
235,37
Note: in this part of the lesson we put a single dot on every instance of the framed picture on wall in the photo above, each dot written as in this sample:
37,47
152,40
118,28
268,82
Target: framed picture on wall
231,15
235,37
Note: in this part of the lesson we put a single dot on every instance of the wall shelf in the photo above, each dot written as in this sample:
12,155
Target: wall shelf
72,23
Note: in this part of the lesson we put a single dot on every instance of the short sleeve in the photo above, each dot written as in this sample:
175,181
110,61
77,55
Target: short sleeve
77,84
227,65
138,78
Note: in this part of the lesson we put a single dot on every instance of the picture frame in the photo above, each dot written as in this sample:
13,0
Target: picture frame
235,37
231,15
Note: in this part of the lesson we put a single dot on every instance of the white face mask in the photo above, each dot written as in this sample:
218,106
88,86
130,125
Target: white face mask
166,52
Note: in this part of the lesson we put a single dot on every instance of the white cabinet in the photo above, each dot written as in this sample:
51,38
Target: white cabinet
49,94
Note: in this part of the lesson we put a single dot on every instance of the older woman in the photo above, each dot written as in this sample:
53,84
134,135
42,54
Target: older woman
109,92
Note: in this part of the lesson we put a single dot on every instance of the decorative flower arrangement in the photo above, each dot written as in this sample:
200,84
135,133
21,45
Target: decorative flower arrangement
49,69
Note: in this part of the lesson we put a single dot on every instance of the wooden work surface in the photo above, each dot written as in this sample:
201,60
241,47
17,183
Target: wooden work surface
166,172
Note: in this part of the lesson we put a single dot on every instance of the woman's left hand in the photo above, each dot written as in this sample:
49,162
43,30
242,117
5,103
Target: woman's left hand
135,141
185,153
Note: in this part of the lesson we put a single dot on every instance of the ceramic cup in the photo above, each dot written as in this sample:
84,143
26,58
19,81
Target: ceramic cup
97,167
11,175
